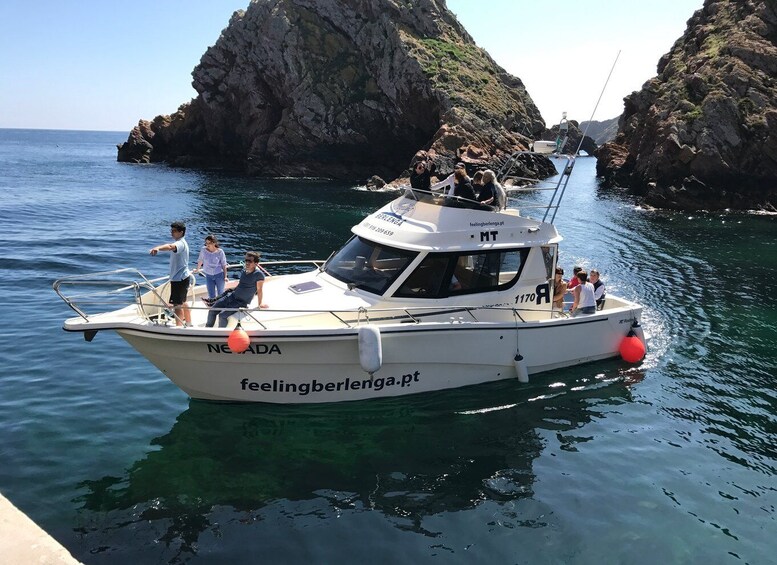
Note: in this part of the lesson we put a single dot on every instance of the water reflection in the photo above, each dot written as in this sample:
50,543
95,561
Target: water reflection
407,459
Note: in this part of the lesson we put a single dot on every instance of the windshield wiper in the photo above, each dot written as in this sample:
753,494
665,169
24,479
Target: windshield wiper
321,267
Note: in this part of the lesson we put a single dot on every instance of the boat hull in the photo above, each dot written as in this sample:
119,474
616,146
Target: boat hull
324,366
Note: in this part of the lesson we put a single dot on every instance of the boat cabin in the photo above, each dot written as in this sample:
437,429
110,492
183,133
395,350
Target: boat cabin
419,249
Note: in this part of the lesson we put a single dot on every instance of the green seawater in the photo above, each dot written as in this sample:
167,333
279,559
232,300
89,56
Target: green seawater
669,461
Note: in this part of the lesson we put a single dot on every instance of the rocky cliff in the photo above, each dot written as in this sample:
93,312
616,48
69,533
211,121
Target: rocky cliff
342,89
601,131
703,133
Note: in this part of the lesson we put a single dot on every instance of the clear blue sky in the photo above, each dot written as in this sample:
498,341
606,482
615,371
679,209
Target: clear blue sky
105,65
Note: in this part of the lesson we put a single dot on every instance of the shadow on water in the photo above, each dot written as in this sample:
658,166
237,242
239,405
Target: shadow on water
407,459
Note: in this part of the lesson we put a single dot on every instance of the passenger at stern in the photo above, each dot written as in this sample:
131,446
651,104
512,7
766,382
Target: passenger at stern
213,263
600,292
179,272
251,283
559,289
584,303
574,281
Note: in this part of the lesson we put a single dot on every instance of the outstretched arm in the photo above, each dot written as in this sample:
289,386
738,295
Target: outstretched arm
445,183
163,247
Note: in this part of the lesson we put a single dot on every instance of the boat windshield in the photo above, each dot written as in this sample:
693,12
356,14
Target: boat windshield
442,199
368,265
441,275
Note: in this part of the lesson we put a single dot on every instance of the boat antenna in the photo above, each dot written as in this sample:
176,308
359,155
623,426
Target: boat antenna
563,133
588,125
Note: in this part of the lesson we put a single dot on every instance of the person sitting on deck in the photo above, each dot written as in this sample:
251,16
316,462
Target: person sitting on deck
251,283
477,182
500,202
462,186
492,192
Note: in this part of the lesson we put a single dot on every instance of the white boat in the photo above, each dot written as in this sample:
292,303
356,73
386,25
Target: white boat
428,294
544,147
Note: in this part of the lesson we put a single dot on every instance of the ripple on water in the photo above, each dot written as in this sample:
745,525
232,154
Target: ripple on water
671,460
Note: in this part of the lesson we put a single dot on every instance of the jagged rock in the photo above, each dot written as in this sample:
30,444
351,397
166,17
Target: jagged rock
138,147
343,89
375,183
703,133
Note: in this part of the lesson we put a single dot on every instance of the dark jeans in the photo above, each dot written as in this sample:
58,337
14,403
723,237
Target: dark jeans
585,310
229,301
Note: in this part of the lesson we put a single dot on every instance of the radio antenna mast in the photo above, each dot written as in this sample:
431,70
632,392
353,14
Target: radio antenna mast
588,125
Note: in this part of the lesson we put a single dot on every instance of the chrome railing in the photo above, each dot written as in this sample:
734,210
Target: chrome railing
122,287
516,162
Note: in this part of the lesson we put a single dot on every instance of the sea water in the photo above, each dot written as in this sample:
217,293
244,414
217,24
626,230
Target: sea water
669,461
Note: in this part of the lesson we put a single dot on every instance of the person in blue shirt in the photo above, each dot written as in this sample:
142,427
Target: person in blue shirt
179,272
251,283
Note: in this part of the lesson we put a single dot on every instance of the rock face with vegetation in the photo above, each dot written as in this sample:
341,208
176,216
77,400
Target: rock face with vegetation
343,89
703,133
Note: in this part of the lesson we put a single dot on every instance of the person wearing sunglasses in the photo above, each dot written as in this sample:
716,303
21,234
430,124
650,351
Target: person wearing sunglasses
421,174
251,283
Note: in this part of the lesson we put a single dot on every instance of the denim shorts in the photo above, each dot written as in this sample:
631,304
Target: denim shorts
585,310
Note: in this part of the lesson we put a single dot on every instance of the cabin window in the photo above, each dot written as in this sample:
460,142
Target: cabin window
447,274
367,265
549,257
426,281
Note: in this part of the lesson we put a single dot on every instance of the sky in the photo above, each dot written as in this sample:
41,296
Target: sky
97,65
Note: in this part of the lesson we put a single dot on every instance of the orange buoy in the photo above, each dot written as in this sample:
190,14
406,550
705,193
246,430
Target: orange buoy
631,348
238,341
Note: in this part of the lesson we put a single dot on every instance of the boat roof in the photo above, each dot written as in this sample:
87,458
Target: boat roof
429,223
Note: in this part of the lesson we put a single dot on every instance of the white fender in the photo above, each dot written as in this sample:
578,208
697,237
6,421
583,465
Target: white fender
639,332
520,368
370,349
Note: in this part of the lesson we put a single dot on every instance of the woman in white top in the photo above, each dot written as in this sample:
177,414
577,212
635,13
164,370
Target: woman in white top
584,303
213,263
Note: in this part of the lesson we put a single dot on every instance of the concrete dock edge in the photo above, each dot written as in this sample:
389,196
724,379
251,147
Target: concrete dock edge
22,541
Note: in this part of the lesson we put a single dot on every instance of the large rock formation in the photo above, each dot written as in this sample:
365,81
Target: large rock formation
703,133
601,131
342,89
